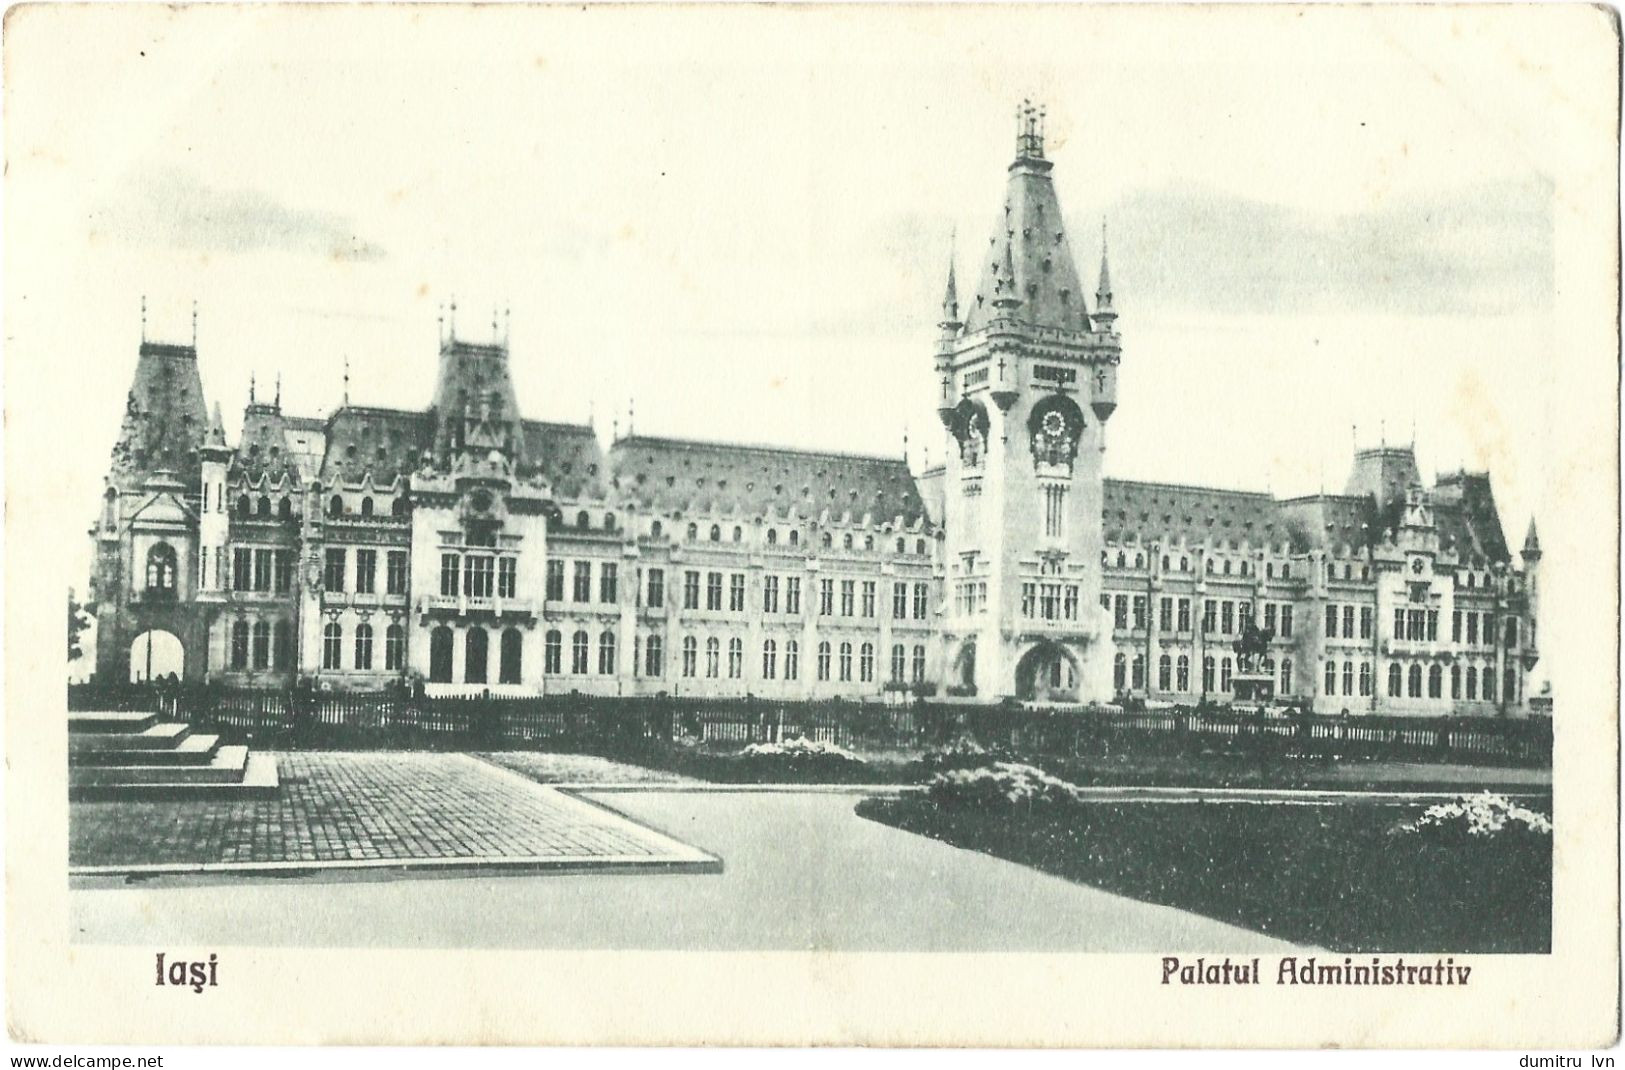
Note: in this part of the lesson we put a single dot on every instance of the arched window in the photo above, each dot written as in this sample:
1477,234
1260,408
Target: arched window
691,655
513,645
899,663
606,653
1119,672
1209,566
332,646
476,645
366,506
1487,680
919,547
1286,676
1184,564
264,506
262,644
770,659
1137,672
583,521
161,569
1365,679
868,542
1286,571
772,536
654,659
1395,687
1122,559
866,663
1207,674
394,648
1139,560
827,540
899,545
795,537
1348,678
239,644
363,646
716,533
739,533
284,508
1269,570
1182,673
792,659
440,655
609,521
553,653
823,660
1165,672
736,658
335,506
655,530
713,658
1435,682
1455,681
400,507
1227,566
578,653
846,541
282,651
846,662
1224,674
1472,682
919,664
1165,562
1509,685
693,532
1414,678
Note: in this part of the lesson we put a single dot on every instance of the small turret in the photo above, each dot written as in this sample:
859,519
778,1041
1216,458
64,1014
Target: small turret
950,322
214,443
1006,298
1531,545
1105,313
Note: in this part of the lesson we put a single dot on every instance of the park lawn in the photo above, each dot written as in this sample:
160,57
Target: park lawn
1328,876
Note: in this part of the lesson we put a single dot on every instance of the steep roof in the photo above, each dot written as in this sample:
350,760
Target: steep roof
165,419
1465,513
568,455
1027,255
1172,512
679,475
382,442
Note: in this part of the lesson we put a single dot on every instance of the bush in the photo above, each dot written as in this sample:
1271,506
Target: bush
1000,785
1481,818
963,753
800,749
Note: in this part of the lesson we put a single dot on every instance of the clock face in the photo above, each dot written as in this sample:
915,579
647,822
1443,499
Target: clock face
481,500
1054,425
1416,565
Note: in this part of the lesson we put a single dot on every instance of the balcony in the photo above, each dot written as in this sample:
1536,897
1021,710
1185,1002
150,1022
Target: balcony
463,605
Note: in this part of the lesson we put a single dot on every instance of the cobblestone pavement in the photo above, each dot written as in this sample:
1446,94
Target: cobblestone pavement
548,768
363,808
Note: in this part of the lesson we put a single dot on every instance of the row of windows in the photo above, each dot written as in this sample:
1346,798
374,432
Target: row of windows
830,658
476,575
336,506
1048,601
336,573
581,587
1227,567
1466,682
333,648
1345,615
1174,674
262,645
1219,616
827,539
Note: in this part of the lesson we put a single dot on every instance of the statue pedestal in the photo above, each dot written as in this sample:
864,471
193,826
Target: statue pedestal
1253,687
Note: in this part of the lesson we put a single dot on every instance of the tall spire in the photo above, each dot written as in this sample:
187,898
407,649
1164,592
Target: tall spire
251,388
1105,312
194,323
1030,131
143,317
216,438
1531,543
346,379
279,390
950,321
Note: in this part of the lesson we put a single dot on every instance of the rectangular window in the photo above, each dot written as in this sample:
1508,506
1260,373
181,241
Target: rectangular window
1054,512
1165,616
736,592
242,569
1455,626
581,589
1415,624
262,570
1049,599
366,571
333,575
1286,625
847,588
478,570
1472,629
691,589
1029,599
607,582
713,590
1120,612
1348,624
1367,621
397,572
868,598
1433,625
451,569
826,598
1227,616
1184,616
657,592
507,577
899,601
1489,629
1070,601
1331,622
284,571
555,582
1399,623
770,594
1139,611
1210,616
922,596
1269,617
792,595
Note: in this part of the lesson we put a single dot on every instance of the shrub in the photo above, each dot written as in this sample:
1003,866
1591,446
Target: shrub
1000,785
963,753
802,749
1478,818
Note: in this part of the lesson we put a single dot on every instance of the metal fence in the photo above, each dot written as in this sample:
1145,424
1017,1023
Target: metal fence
399,720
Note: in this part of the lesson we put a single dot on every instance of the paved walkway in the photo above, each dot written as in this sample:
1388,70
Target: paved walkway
800,872
360,809
580,769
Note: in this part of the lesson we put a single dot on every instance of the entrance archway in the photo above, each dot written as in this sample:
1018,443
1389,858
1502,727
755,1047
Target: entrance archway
155,654
964,674
1047,673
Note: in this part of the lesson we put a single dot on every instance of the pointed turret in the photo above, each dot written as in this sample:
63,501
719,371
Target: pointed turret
950,322
1531,543
1028,257
215,441
1105,312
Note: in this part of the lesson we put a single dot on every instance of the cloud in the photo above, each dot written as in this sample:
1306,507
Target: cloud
173,208
1481,249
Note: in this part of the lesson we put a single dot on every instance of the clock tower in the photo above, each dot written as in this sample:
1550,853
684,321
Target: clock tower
1027,377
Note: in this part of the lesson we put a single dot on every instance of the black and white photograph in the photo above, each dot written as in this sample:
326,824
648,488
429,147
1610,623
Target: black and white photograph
1126,491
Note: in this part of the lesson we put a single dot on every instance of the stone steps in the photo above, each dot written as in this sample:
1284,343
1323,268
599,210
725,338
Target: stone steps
135,755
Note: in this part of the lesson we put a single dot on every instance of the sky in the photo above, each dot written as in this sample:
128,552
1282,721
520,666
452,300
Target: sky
739,222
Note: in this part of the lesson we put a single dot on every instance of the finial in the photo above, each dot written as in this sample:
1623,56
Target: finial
493,323
346,379
615,428
451,320
143,317
631,412
194,323
251,388
905,442
279,389
507,323
440,322
591,415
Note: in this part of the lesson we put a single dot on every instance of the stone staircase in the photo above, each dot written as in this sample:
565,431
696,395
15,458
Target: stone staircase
137,755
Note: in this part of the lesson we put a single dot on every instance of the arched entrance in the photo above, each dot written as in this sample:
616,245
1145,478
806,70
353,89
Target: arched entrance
964,674
1047,673
154,655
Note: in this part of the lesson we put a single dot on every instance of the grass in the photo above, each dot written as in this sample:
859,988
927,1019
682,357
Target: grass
1329,876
